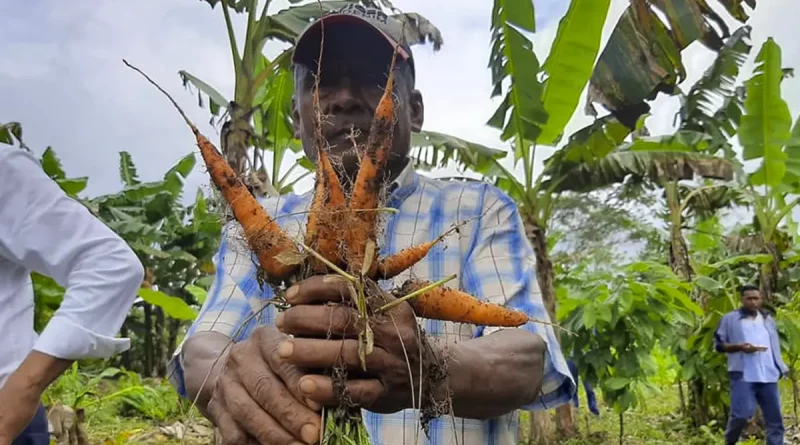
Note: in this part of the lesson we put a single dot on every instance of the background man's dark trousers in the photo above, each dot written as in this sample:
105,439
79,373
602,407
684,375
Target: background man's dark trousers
744,397
37,432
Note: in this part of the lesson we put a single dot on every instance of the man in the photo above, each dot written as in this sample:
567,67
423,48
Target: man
267,388
750,339
44,230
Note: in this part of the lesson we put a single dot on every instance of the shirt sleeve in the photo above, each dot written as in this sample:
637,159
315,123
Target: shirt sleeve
721,334
45,230
227,309
500,268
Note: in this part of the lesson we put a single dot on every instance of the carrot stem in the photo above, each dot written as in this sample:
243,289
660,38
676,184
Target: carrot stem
333,267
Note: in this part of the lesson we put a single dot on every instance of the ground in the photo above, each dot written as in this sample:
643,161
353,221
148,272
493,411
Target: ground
128,409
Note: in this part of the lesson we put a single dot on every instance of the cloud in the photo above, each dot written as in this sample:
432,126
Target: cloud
62,75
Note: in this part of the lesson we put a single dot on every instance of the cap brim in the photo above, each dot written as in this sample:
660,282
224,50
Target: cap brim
339,19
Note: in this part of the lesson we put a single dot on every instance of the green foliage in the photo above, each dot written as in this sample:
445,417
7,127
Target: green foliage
434,149
640,34
172,306
766,125
617,318
570,62
698,111
10,132
512,57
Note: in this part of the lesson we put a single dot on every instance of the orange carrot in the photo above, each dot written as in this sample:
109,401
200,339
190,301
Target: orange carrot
265,237
324,220
445,304
362,226
394,265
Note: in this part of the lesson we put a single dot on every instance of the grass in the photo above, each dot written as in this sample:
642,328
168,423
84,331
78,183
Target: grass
657,422
121,407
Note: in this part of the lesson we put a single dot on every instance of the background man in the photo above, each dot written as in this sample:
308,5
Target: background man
750,339
44,230
267,388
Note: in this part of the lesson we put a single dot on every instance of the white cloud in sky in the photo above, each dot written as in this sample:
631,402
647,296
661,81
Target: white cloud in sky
63,78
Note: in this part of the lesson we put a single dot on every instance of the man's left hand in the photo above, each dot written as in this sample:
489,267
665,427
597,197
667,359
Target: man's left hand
326,335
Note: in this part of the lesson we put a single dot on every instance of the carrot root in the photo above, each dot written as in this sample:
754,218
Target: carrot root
362,224
396,264
440,303
264,236
266,239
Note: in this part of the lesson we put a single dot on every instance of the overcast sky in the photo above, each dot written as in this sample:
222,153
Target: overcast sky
62,76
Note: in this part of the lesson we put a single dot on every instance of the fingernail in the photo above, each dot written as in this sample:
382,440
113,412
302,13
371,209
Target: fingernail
308,385
291,293
313,405
309,433
285,349
279,321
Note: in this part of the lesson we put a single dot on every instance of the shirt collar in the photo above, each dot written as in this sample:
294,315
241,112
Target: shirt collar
743,314
404,183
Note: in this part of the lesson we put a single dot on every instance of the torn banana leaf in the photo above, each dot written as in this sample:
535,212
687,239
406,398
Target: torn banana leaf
643,54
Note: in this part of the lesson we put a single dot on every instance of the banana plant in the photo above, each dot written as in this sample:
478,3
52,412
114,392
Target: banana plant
643,55
257,120
766,135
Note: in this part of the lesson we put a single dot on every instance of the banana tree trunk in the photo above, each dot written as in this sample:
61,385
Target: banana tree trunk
678,253
541,428
679,263
769,271
235,140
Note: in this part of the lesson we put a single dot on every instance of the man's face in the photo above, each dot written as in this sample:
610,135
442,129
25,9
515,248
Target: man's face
751,300
355,65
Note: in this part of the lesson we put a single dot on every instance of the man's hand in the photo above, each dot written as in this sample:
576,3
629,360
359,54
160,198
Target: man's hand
256,398
749,348
326,335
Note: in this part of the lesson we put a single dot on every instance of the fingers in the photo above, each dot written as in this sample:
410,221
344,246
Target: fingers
284,407
258,400
231,432
262,426
361,392
311,353
332,321
319,289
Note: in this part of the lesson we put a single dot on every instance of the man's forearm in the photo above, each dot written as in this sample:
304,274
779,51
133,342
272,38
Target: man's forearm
493,375
38,371
731,347
203,352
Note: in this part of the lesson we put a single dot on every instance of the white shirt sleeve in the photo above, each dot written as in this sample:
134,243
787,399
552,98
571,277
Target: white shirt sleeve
44,230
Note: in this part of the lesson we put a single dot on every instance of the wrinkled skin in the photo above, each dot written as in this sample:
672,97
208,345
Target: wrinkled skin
264,392
256,397
386,385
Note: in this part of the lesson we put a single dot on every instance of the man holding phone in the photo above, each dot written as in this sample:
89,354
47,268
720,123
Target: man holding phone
749,337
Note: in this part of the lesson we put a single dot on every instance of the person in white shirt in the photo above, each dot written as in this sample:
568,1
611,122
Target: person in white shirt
42,229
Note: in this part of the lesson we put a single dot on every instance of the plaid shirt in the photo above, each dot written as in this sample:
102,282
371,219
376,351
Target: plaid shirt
490,254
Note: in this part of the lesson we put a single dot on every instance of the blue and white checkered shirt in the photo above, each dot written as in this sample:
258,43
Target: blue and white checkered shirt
490,254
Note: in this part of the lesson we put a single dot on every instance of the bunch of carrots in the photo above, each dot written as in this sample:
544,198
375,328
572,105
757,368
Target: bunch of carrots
341,238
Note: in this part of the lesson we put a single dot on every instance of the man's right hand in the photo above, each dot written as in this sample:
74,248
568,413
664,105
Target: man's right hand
257,398
748,348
